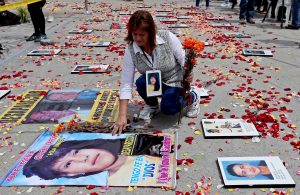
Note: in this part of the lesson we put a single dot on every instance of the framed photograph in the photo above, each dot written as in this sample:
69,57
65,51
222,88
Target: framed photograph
254,171
118,9
257,52
96,44
186,7
125,13
80,31
178,26
3,93
213,128
184,17
153,82
164,10
166,4
237,35
44,52
168,20
90,69
144,6
161,15
221,25
215,18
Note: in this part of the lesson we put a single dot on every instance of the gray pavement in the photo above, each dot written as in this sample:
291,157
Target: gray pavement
274,74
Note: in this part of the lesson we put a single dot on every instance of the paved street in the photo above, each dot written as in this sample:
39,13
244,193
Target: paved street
236,83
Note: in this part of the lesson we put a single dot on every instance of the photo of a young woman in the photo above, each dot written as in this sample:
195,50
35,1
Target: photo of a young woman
153,82
81,158
247,170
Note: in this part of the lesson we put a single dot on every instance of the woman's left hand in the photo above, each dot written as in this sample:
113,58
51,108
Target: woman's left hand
189,78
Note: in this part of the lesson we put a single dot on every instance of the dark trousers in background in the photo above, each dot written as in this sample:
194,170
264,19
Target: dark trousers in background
171,99
262,3
37,17
206,3
273,7
247,9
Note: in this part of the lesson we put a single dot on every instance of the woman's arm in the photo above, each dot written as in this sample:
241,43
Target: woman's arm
121,122
127,77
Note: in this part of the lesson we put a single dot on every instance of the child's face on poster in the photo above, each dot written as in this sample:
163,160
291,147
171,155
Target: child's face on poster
83,161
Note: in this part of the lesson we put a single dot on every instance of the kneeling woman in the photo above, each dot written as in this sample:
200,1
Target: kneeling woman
149,50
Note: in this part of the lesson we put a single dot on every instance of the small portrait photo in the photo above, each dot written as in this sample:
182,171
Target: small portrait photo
222,126
254,52
247,170
153,82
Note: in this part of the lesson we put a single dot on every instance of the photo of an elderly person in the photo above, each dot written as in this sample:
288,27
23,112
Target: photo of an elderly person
81,158
252,170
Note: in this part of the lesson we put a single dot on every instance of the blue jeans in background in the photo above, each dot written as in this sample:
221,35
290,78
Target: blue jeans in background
170,102
247,9
296,13
198,2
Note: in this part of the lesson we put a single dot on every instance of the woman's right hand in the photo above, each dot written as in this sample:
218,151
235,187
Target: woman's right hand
119,125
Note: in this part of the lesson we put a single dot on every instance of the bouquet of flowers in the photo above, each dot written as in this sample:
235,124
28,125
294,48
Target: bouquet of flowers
192,48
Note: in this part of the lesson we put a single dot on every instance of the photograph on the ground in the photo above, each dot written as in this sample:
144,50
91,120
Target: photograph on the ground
257,52
90,69
96,44
228,128
251,171
62,105
96,159
44,52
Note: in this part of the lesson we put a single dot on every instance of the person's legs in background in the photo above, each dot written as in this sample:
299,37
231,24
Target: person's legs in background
225,4
273,7
38,21
295,15
234,2
32,11
197,3
41,21
265,4
207,4
250,11
243,10
258,5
